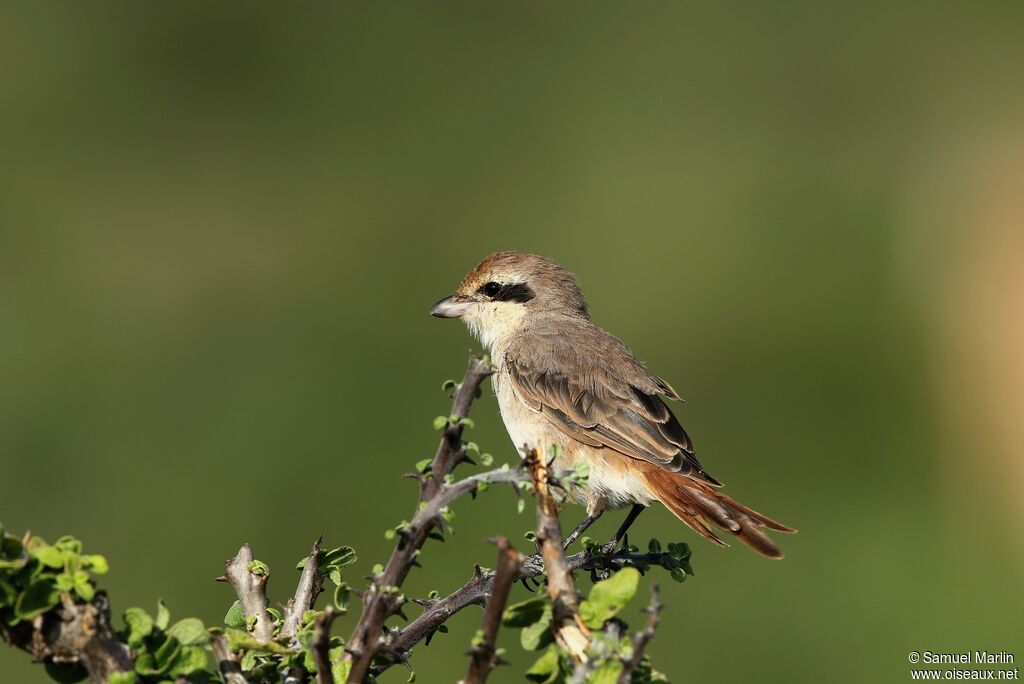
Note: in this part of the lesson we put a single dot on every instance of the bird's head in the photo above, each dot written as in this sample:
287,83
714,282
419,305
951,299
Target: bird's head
507,288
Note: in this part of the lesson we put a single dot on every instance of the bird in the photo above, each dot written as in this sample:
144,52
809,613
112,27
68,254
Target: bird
566,386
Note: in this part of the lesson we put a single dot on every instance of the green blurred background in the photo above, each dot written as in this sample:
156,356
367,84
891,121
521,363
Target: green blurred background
222,227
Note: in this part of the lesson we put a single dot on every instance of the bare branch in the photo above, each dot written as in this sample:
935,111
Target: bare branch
227,662
483,656
381,599
642,637
321,645
474,592
310,586
569,630
74,633
251,589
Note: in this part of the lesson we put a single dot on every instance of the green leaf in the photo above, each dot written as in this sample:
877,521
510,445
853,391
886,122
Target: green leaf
547,668
524,613
606,673
424,465
239,640
83,587
190,632
139,626
340,670
189,660
468,422
122,678
608,597
486,460
654,546
342,594
440,422
69,544
163,616
64,582
678,574
235,617
50,556
36,599
335,575
342,556
167,652
95,564
538,635
258,568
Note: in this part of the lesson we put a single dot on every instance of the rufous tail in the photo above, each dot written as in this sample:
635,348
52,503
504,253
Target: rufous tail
700,506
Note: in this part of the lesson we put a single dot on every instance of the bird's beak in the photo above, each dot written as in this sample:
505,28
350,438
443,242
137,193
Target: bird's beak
454,306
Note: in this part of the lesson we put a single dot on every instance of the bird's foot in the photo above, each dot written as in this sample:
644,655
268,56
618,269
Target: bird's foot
609,548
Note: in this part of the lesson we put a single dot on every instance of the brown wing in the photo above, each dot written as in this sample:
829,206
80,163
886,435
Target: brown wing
604,398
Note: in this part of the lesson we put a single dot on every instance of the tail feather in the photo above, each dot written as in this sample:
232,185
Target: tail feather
700,506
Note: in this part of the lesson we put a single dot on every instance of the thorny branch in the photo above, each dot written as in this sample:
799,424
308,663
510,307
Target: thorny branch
74,633
382,598
483,655
569,630
642,637
322,645
310,586
251,588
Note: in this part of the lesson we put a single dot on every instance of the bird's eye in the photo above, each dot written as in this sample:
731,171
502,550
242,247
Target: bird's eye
492,288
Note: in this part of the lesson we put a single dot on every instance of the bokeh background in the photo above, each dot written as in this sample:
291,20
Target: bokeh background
223,224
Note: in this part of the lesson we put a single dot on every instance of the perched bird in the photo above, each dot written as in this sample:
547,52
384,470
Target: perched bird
562,380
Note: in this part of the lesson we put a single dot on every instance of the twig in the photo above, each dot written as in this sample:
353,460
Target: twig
321,645
569,630
642,637
252,592
74,632
310,586
382,599
483,656
227,663
474,592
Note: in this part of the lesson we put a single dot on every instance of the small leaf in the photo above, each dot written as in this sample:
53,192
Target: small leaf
424,465
606,673
608,597
546,669
139,625
50,556
468,422
678,574
524,613
654,546
440,423
343,556
340,670
258,568
190,632
342,594
448,385
235,617
36,599
538,635
163,616
95,564
486,460
190,659
122,678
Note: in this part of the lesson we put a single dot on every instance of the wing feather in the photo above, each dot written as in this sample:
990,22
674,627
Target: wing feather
606,400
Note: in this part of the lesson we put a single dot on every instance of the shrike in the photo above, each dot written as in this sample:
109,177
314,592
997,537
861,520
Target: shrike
562,380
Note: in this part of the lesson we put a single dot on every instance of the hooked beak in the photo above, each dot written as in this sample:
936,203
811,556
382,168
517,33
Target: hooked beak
454,306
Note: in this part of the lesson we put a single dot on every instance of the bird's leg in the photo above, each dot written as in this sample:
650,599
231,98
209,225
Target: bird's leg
580,529
631,517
